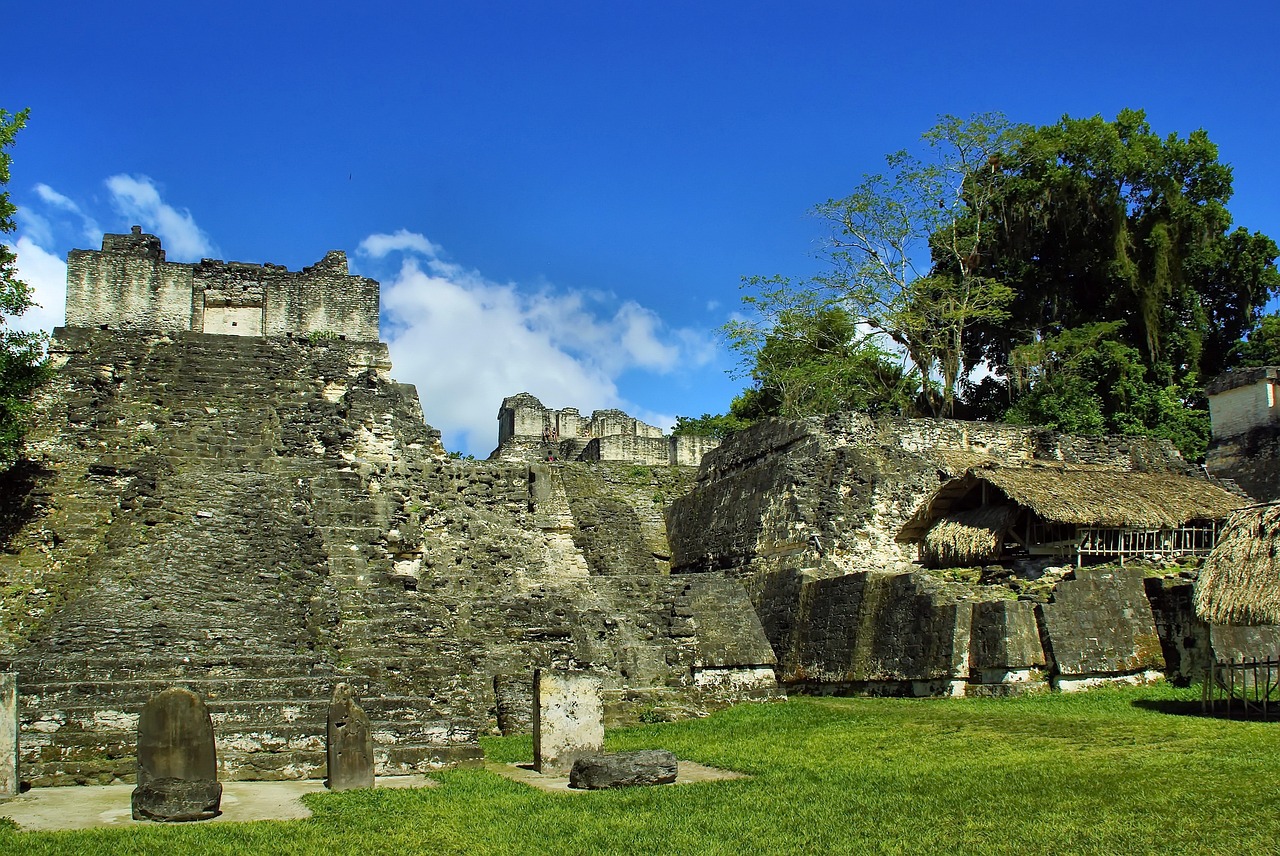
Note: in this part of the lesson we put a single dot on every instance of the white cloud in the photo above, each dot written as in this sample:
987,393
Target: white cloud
47,276
467,342
54,199
378,246
138,198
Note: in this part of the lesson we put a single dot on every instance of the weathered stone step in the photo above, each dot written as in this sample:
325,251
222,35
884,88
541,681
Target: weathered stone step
278,725
68,667
237,765
140,690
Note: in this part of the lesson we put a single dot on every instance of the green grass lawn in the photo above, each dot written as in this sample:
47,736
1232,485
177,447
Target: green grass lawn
1111,771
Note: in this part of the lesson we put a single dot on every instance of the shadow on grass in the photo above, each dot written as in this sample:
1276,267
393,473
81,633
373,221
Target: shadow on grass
1220,710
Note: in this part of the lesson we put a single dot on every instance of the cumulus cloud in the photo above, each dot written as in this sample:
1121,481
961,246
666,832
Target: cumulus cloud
467,342
47,276
56,200
138,199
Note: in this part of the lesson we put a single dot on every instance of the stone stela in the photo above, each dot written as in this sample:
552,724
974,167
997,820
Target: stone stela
177,761
350,743
8,734
568,719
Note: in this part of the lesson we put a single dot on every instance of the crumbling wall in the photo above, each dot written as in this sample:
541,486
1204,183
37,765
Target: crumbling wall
805,513
129,285
529,431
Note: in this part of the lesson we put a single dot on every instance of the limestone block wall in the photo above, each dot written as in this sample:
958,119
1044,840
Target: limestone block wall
628,447
805,514
261,518
129,285
688,450
1242,400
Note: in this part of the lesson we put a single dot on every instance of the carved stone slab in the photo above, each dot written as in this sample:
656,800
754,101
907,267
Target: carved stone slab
568,719
177,762
624,770
350,743
8,734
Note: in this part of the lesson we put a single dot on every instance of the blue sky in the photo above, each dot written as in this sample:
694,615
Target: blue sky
562,197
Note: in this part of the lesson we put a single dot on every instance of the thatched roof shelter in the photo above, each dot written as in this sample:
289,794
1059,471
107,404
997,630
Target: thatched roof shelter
1240,580
1081,496
966,538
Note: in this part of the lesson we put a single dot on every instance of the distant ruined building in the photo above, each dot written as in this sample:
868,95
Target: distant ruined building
225,490
528,430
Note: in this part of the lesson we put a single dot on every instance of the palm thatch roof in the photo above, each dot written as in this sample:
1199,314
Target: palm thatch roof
965,538
1240,580
1084,497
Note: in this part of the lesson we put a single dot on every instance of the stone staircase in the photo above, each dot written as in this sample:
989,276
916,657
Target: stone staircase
210,534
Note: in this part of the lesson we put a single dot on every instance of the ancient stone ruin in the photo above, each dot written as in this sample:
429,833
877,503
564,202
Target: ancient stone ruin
1244,409
130,286
568,719
816,519
348,743
9,782
260,517
624,770
529,431
225,489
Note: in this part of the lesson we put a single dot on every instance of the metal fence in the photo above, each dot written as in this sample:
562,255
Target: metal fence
1247,688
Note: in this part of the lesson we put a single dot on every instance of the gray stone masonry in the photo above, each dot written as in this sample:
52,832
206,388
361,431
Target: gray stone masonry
8,734
1100,626
129,285
529,431
568,719
805,514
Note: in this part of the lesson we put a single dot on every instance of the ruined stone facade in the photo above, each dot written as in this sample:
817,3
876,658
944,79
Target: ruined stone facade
1244,412
805,514
258,519
529,431
129,285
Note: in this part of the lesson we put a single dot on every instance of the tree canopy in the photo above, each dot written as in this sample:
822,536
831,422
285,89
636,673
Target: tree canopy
21,354
1082,276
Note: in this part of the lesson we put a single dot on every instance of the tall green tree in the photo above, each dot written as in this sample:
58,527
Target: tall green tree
1116,244
904,249
805,355
22,367
1100,221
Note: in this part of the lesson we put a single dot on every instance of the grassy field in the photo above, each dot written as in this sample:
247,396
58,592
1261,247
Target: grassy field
1113,771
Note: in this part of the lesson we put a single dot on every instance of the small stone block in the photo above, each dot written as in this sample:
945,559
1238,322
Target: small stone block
350,743
624,770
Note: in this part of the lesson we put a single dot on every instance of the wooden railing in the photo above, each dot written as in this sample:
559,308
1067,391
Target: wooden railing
1250,688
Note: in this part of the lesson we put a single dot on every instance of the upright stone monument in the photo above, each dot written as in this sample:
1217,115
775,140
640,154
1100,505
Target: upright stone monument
177,761
568,719
8,734
350,743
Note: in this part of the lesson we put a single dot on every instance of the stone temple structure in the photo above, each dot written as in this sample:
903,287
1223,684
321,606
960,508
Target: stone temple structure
225,490
258,518
529,431
130,286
